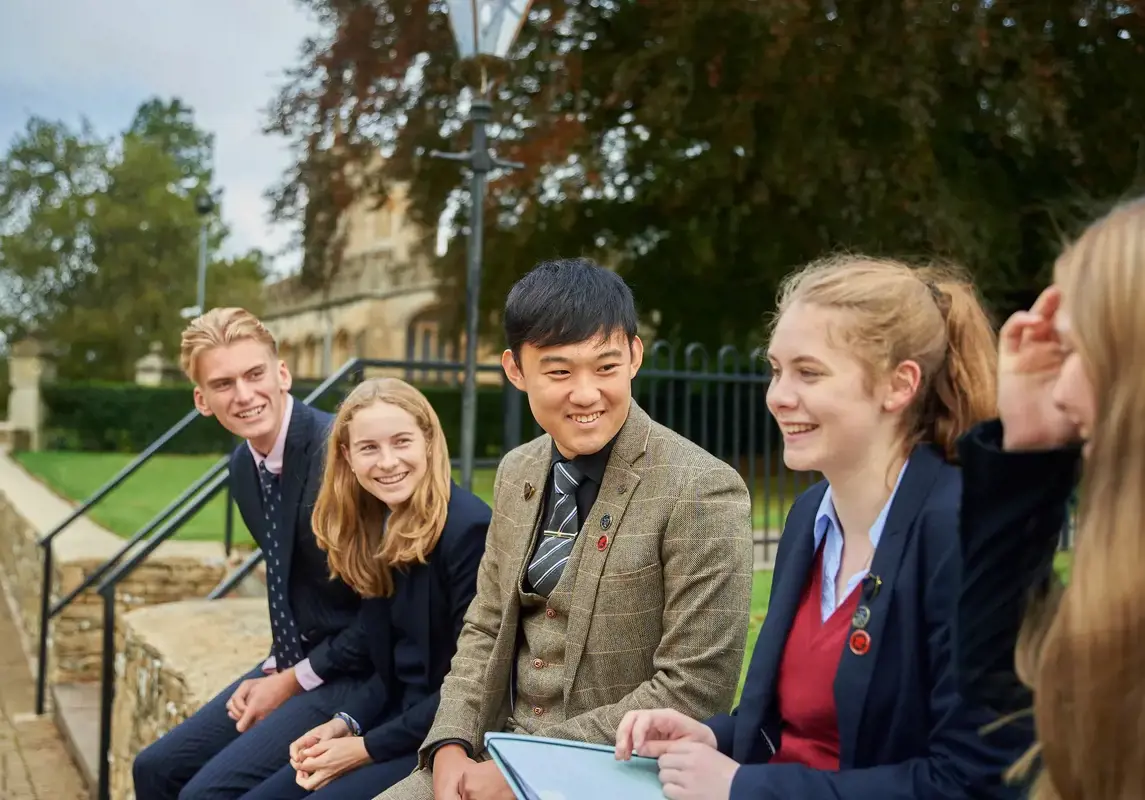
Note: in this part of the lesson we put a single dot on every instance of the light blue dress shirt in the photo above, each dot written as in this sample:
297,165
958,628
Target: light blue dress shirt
827,525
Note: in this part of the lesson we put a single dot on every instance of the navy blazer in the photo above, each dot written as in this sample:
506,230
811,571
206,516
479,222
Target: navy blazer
432,598
325,610
904,730
1014,507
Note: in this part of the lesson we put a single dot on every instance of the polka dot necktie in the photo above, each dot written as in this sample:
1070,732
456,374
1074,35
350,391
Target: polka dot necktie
560,533
286,646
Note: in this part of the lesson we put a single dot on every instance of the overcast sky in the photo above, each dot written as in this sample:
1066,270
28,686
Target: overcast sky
66,59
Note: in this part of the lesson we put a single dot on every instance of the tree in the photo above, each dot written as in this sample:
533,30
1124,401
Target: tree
707,148
107,262
47,182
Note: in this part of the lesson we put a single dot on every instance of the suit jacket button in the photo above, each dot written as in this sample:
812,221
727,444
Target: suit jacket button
538,663
550,613
537,711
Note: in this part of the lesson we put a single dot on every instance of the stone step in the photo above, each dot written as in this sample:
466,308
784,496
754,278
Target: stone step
76,712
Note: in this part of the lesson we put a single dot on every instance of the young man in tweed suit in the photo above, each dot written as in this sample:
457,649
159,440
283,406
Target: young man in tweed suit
617,569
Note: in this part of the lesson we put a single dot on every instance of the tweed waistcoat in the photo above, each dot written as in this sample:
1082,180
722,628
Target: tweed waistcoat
538,696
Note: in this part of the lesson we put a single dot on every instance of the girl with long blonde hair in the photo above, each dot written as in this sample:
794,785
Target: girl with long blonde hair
398,530
1071,393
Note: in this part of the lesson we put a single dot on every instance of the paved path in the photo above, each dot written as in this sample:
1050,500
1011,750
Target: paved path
34,765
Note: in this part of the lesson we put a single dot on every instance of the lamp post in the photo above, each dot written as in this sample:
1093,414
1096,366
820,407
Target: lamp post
481,28
204,205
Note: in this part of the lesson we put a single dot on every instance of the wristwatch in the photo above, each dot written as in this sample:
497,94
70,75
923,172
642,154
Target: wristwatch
355,729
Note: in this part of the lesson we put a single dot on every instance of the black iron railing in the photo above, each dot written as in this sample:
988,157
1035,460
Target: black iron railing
47,610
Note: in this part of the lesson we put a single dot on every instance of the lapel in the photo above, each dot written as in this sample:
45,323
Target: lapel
616,490
759,685
853,679
520,501
246,492
295,471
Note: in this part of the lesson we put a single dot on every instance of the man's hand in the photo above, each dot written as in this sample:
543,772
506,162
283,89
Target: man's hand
1030,358
484,781
650,732
330,759
693,771
257,697
334,729
449,765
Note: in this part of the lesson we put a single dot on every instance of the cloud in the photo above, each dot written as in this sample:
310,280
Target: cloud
63,59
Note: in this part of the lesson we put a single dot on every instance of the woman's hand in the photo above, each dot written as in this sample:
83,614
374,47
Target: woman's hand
1030,357
649,733
330,759
334,729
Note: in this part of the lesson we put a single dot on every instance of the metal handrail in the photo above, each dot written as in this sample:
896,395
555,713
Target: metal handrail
45,542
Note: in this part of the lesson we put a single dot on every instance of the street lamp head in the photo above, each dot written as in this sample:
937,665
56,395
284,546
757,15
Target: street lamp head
486,27
204,205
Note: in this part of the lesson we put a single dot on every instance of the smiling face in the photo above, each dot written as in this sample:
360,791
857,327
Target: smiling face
578,393
387,452
244,385
832,415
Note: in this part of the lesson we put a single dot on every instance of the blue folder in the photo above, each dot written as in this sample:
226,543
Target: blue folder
537,768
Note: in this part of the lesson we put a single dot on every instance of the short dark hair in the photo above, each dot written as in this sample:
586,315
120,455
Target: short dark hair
566,301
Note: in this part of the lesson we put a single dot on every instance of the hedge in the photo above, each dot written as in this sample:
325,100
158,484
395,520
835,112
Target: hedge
126,418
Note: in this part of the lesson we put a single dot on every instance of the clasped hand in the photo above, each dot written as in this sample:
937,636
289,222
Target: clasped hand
691,768
256,697
325,753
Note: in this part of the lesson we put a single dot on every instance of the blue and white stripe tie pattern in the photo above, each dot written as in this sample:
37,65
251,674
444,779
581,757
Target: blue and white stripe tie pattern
287,647
559,535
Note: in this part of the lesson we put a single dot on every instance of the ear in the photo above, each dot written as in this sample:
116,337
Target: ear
902,387
201,403
637,350
512,370
346,455
284,376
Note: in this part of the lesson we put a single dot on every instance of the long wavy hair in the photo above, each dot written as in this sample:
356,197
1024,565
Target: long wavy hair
348,521
930,315
1083,651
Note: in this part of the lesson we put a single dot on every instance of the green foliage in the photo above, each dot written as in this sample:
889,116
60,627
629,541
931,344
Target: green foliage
99,240
127,418
708,147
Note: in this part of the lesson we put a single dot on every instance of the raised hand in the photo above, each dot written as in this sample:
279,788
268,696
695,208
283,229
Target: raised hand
1030,357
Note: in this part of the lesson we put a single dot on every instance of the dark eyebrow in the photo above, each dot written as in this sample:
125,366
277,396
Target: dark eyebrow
555,359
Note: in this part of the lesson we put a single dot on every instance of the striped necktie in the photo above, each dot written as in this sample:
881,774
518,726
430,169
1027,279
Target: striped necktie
560,532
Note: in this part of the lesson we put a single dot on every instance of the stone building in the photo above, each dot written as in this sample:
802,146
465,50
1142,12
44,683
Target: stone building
383,303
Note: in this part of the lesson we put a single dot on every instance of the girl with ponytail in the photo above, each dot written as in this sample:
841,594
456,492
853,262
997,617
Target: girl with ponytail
877,369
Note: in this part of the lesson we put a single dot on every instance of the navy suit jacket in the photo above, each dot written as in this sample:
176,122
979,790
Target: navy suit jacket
431,599
325,610
904,730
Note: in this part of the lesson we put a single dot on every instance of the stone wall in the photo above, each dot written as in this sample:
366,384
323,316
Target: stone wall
28,510
175,657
